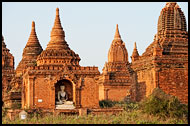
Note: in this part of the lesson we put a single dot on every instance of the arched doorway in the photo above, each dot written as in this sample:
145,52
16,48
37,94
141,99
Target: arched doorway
68,89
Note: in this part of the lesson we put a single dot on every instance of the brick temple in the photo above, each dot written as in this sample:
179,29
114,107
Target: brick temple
40,74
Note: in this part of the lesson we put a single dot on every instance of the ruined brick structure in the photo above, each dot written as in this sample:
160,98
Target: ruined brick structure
40,73
164,64
7,69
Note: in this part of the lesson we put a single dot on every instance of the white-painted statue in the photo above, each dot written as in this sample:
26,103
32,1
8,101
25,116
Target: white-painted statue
62,96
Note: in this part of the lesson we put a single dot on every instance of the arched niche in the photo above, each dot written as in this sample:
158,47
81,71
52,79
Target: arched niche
68,89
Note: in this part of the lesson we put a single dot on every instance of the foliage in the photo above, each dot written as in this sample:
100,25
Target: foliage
4,111
16,105
38,113
163,105
149,111
107,103
126,105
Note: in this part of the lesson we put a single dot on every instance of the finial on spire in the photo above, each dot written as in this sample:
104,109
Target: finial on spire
57,11
33,24
57,22
33,31
57,34
135,46
117,35
33,37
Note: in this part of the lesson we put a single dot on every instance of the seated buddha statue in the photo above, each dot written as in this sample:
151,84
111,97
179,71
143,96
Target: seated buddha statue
62,96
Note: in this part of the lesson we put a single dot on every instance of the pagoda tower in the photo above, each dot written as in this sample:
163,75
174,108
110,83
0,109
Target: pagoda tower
172,30
135,53
30,52
117,80
58,52
58,66
164,64
7,69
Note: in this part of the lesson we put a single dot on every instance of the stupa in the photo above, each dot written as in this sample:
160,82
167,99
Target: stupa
164,64
117,80
30,52
58,65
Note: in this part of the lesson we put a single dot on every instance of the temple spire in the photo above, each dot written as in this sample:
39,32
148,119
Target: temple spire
57,23
33,39
135,53
57,35
117,35
135,46
57,48
30,52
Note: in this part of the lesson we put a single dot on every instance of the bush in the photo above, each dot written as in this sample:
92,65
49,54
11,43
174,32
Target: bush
176,109
107,103
126,105
4,112
16,105
164,105
131,106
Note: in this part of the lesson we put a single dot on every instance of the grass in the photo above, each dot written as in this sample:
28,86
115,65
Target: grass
156,109
133,117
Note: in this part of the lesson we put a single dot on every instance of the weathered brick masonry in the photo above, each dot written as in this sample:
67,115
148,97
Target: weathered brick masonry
40,73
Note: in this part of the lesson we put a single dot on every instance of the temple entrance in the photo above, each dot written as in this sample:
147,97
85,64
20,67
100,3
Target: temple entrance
64,95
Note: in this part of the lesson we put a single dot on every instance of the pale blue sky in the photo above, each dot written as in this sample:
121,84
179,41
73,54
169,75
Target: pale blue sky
89,26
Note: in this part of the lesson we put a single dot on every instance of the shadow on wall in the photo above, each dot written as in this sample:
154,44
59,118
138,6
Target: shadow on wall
141,91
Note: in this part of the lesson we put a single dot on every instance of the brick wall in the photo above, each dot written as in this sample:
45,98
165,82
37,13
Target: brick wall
90,93
116,93
146,83
101,92
175,82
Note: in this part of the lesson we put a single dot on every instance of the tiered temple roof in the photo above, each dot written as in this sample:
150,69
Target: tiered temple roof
171,19
30,52
58,52
171,32
117,57
117,51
